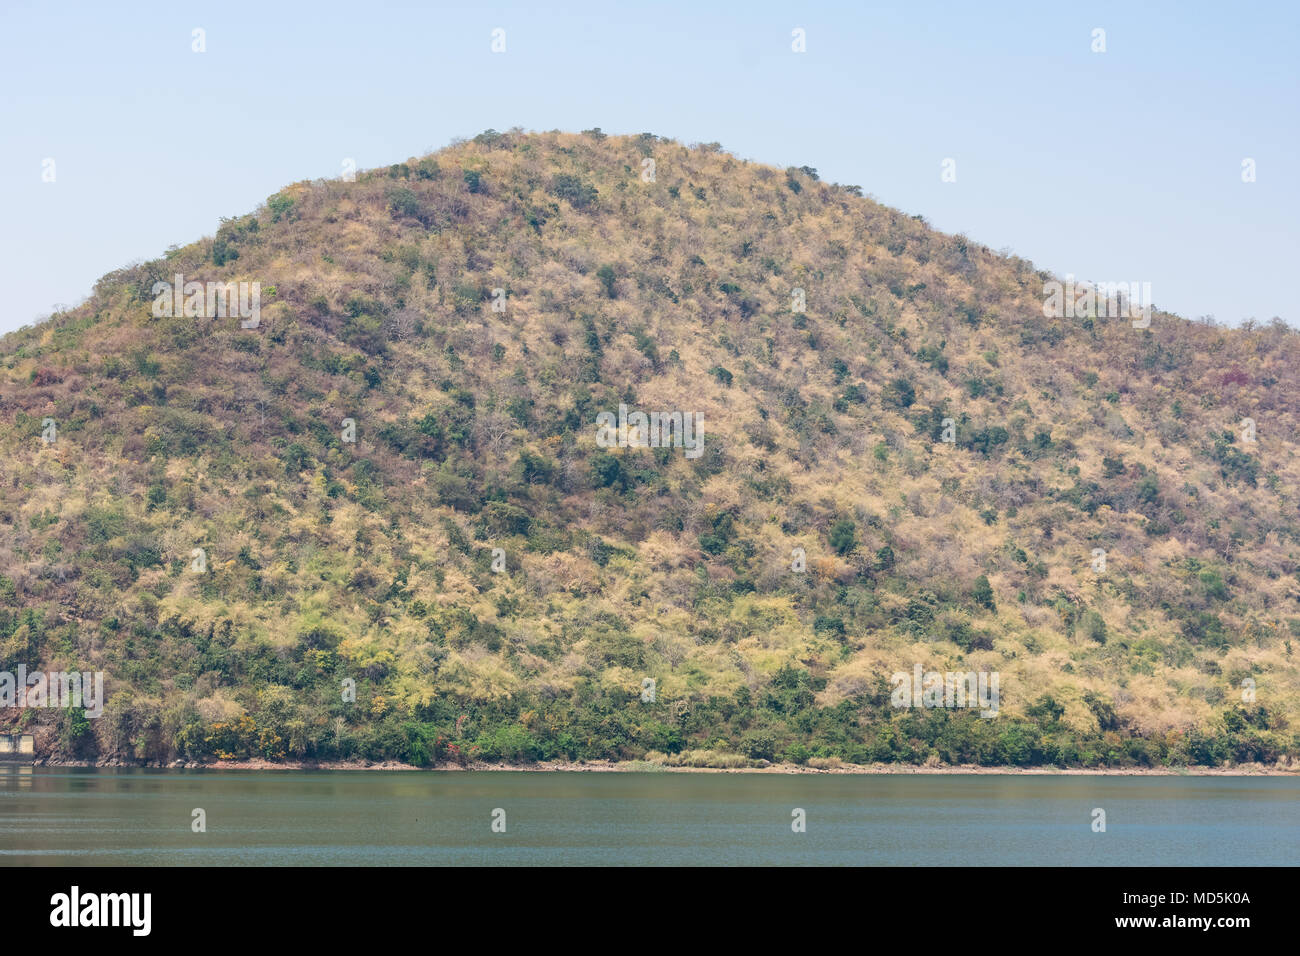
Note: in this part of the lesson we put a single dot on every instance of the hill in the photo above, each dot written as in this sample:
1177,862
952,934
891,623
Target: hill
390,473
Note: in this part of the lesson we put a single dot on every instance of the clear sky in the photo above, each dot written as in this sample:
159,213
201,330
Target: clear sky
1117,166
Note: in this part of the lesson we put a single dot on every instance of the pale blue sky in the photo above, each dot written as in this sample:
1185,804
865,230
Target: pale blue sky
1118,166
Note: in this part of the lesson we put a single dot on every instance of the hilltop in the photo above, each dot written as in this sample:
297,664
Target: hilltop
393,478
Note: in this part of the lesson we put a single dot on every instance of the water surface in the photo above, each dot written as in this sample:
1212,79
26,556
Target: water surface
73,816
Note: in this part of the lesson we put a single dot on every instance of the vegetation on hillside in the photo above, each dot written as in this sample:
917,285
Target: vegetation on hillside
328,561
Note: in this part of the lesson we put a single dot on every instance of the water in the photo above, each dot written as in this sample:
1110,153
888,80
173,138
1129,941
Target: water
65,816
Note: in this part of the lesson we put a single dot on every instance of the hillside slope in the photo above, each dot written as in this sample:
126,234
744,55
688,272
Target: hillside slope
327,560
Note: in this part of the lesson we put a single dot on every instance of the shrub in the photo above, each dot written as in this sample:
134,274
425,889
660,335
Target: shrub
534,468
843,536
403,202
934,357
366,332
607,471
796,753
759,745
831,625
573,191
502,518
1093,626
509,742
1046,710
75,734
296,458
279,206
608,279
899,393
1215,589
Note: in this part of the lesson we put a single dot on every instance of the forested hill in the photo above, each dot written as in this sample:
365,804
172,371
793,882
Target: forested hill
393,475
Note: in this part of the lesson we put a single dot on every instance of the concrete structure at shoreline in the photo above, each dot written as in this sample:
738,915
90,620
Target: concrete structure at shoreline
17,747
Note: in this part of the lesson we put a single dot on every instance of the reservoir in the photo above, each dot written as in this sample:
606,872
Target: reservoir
73,816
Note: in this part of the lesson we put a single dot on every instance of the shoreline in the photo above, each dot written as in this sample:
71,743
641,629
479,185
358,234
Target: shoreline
635,766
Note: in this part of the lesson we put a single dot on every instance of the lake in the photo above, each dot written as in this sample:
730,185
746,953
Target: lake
73,816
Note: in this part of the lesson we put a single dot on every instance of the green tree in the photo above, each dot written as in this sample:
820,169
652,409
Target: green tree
843,536
900,393
608,279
